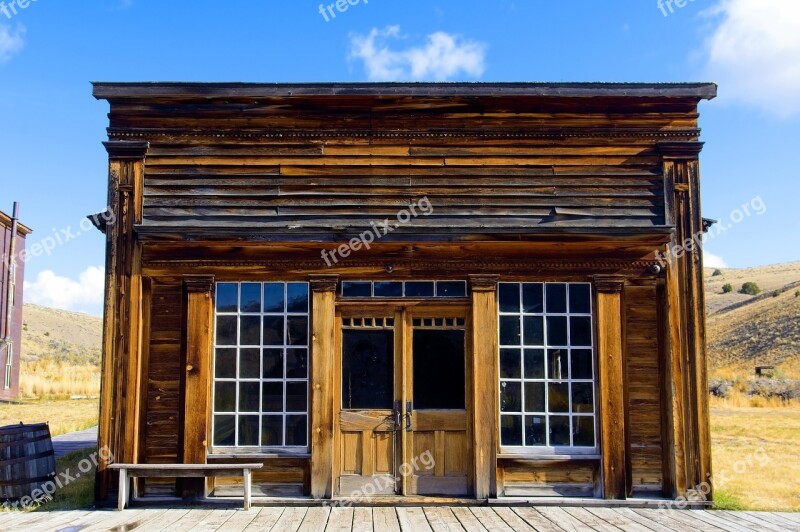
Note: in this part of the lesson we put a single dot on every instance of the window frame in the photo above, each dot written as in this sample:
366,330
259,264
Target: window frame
215,449
548,450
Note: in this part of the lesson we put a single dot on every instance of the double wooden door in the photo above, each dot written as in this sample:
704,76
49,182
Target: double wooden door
402,423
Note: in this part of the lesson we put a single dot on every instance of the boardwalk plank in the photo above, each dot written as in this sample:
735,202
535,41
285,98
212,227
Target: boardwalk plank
214,521
468,519
714,519
535,519
316,519
164,521
789,516
628,521
781,518
563,519
746,520
55,520
391,519
241,520
111,519
340,520
153,515
663,518
512,519
267,518
384,519
362,520
289,521
191,519
591,520
442,519
413,519
489,518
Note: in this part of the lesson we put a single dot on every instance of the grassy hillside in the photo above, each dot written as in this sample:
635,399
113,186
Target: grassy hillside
60,353
746,331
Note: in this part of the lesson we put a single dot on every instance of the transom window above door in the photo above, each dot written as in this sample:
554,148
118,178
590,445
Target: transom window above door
261,363
546,363
404,289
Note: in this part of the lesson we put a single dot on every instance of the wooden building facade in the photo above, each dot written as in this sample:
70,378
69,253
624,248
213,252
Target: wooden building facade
410,290
12,274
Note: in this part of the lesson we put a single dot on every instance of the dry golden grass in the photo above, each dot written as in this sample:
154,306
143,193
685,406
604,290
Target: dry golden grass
755,456
47,378
63,415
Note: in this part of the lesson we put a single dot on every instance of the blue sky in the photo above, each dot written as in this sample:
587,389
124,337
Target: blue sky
52,162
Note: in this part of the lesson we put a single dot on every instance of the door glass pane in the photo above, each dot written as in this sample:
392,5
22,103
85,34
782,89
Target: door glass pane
367,369
439,369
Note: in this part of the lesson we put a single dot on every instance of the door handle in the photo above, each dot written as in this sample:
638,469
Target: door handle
408,416
397,414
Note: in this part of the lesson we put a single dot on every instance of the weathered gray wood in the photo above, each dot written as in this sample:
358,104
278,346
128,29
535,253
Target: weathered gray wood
384,519
290,520
442,519
316,519
537,520
489,519
413,519
564,520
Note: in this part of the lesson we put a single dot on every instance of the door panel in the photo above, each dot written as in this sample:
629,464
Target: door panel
367,422
441,439
402,423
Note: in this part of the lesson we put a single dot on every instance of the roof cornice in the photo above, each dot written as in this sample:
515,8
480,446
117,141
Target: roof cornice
114,91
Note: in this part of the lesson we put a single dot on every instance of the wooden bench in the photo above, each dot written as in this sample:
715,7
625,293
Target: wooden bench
127,471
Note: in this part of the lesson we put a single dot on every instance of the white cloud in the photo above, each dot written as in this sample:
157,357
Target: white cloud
754,53
51,290
11,41
441,58
713,261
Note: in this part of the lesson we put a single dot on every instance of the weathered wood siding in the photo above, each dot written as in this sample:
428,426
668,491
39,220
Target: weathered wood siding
492,164
643,387
163,408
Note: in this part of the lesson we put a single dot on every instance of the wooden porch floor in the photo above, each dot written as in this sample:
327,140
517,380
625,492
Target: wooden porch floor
391,519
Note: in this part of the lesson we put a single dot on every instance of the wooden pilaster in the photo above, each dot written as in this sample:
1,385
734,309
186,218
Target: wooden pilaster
197,367
611,373
685,298
485,410
121,379
323,299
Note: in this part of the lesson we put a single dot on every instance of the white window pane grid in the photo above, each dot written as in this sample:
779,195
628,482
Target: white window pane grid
551,375
250,344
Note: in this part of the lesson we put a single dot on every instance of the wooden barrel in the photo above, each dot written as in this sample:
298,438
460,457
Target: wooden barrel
26,460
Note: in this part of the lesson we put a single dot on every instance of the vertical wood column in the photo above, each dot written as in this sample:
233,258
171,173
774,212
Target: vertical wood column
323,322
485,383
197,380
120,376
685,298
611,373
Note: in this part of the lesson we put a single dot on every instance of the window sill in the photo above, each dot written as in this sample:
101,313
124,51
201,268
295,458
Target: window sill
548,457
245,455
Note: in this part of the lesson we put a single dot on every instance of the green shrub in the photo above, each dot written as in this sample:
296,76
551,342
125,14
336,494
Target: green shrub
716,273
797,294
750,288
727,288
